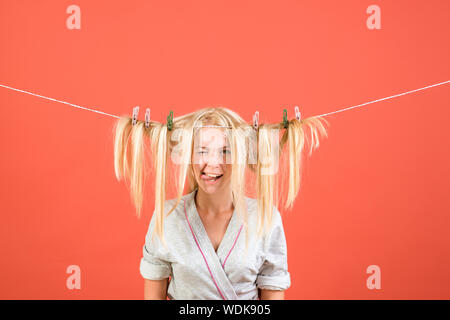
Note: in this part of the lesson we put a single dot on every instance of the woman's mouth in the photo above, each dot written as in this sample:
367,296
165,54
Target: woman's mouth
210,178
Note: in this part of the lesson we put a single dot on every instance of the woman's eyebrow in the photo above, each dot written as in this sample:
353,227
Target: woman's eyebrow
202,147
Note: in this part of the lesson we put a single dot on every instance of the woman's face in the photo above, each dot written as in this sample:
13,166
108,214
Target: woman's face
211,160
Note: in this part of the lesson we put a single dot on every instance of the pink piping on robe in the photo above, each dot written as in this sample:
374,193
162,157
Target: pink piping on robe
195,238
223,264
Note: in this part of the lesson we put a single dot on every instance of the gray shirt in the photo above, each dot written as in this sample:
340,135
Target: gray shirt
197,271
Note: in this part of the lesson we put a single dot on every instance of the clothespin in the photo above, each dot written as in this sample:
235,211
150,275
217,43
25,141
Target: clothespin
256,120
135,115
170,121
285,119
147,117
298,115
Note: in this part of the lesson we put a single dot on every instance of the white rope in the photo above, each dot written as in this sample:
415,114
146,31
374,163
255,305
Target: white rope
397,95
322,115
70,104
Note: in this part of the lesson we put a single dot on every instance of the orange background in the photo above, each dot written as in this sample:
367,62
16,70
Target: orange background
374,193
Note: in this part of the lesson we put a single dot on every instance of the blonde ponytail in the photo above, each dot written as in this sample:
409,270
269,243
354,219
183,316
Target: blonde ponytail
160,152
267,167
121,160
295,136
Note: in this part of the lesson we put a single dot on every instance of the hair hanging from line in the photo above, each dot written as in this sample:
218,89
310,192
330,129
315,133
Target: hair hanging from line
275,165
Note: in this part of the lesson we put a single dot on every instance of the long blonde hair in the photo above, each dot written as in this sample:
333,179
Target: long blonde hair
277,164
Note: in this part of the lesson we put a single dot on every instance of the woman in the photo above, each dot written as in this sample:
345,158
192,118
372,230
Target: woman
214,242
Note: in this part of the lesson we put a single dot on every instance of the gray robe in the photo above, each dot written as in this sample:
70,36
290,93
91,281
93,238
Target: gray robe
197,271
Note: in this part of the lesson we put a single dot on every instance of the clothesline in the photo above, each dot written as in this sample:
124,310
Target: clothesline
322,115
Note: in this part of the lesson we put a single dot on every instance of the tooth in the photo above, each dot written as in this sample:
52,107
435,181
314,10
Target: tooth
211,175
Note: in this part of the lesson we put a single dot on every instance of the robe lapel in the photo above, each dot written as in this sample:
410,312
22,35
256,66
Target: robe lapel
213,261
229,239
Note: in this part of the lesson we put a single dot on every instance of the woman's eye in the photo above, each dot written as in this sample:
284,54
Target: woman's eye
202,152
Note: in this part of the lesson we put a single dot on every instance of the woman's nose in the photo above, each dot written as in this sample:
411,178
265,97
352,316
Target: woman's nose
213,158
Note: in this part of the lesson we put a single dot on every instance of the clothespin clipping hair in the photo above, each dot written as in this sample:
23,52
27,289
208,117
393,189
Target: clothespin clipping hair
147,117
298,115
135,115
285,119
256,120
170,121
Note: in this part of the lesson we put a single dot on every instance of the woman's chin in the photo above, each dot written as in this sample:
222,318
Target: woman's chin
212,187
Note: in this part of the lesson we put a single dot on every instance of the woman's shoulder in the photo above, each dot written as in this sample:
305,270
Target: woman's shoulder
252,208
173,209
252,205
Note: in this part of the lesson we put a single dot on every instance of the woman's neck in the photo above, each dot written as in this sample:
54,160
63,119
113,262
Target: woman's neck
214,204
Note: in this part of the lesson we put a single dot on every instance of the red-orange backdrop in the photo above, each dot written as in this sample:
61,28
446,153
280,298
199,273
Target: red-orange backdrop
374,193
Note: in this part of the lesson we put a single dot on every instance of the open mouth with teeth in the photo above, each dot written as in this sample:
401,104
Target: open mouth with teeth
211,177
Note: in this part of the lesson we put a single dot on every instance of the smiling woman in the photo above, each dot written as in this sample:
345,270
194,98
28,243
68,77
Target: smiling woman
210,160
215,242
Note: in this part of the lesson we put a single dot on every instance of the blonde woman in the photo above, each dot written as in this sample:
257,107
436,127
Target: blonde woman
213,240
